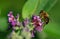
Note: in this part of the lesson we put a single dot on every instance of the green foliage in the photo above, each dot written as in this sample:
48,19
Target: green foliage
3,24
41,5
29,8
49,5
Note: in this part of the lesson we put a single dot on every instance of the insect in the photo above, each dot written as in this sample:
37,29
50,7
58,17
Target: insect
44,15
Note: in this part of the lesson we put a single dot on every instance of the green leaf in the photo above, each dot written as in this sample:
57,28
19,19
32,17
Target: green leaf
29,8
50,4
3,24
14,5
41,5
52,29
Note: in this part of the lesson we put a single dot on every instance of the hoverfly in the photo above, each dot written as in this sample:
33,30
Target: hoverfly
44,15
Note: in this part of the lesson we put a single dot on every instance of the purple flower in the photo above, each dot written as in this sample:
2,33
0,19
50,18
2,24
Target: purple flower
38,18
13,23
37,23
10,16
25,22
10,13
33,34
39,28
34,17
11,19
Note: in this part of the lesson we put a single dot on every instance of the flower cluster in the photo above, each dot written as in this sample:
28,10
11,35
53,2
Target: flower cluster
29,25
36,20
11,19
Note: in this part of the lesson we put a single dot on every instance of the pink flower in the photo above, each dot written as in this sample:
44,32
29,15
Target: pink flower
37,23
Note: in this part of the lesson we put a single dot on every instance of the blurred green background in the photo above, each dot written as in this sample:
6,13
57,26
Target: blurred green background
51,31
